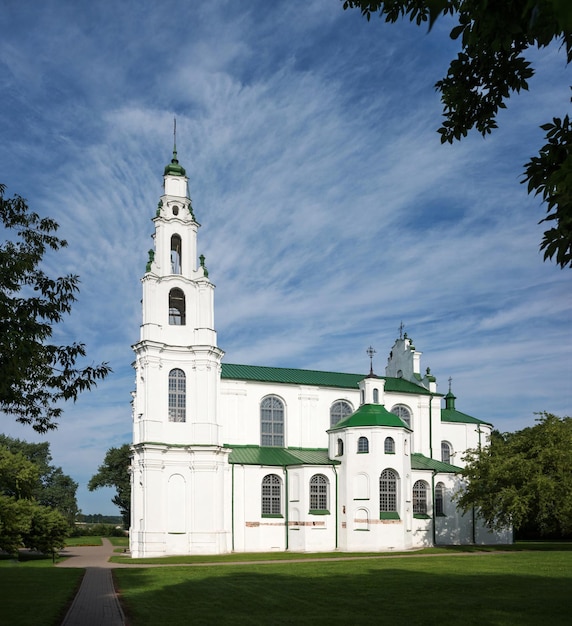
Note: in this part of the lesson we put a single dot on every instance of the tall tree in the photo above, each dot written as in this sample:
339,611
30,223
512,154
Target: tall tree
36,375
114,472
524,479
492,66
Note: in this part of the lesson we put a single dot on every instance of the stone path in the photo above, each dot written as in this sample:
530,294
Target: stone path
96,603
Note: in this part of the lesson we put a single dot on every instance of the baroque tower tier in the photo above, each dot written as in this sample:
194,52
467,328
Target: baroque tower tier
178,460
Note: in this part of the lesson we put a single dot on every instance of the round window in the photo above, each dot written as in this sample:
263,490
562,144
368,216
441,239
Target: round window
175,210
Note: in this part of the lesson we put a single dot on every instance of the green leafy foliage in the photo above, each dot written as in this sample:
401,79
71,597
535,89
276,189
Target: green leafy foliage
491,66
524,478
35,375
51,487
114,472
23,520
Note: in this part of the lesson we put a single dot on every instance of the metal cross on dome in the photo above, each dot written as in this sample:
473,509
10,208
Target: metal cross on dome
370,352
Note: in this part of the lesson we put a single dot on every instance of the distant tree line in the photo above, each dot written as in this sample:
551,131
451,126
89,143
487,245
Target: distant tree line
98,518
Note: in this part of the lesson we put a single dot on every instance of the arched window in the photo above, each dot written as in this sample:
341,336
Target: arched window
272,422
389,445
445,452
176,307
420,489
271,495
362,395
176,254
403,412
177,396
340,448
376,396
338,411
319,493
363,445
388,491
440,499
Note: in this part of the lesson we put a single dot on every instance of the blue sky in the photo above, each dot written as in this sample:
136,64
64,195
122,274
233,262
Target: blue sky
330,211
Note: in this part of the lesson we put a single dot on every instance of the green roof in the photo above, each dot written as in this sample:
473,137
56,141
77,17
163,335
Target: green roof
371,415
452,415
421,462
280,457
291,376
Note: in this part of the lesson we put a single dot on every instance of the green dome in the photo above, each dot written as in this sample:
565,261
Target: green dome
174,169
371,415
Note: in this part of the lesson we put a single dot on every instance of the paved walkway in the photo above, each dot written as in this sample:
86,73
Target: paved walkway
96,603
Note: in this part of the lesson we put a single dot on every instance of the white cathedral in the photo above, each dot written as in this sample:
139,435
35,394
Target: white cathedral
244,458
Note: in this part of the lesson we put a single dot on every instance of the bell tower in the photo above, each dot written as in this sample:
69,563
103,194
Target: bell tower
179,463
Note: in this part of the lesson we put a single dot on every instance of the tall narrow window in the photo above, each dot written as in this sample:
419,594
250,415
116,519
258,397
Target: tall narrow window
403,412
177,396
318,493
376,396
363,445
176,307
340,447
176,254
271,495
389,445
420,497
388,491
338,411
445,452
272,422
440,499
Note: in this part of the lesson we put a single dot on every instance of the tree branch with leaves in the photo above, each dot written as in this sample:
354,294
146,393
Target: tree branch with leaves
491,66
36,376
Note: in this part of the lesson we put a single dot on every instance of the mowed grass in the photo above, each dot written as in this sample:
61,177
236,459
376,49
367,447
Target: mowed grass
35,593
86,540
524,588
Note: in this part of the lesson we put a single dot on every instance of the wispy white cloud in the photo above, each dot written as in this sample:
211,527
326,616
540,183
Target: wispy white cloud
330,210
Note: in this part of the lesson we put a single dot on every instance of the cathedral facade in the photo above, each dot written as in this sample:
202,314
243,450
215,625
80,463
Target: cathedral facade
248,458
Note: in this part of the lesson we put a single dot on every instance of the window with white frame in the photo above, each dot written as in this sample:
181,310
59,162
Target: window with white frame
176,246
272,422
177,395
176,307
340,451
420,489
363,445
389,445
271,495
446,452
319,493
388,491
403,412
338,411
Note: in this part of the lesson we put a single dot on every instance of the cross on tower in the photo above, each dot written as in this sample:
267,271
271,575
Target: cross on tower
401,327
370,352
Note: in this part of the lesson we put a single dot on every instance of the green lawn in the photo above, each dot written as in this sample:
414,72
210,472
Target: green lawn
494,588
524,588
35,593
